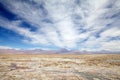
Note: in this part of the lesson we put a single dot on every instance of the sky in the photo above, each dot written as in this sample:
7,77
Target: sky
91,25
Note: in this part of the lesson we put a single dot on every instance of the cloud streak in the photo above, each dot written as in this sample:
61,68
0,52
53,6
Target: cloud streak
7,47
74,24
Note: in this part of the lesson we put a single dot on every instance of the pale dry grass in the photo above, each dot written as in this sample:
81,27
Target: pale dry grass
59,67
104,60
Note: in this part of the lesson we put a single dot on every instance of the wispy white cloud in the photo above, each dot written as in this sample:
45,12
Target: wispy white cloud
31,37
112,32
83,24
7,47
111,46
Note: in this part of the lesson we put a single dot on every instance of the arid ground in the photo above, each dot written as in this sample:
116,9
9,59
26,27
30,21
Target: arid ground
59,67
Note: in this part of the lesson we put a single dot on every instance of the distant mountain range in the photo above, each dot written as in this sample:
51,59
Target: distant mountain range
35,51
61,51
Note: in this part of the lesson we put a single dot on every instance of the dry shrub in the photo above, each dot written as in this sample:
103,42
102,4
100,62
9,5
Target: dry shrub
114,63
103,60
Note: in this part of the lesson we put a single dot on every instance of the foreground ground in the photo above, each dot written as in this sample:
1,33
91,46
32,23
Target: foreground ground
59,67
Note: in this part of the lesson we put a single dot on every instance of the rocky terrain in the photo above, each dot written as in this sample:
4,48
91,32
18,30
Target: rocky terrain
59,67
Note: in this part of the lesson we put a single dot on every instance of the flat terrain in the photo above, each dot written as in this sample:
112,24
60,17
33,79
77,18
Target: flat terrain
59,67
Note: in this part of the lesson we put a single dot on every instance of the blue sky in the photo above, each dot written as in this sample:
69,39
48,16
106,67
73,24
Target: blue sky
91,25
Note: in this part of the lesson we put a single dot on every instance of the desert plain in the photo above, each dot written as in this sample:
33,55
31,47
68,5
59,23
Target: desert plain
59,66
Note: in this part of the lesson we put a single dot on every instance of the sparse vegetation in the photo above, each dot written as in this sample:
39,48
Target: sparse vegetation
59,67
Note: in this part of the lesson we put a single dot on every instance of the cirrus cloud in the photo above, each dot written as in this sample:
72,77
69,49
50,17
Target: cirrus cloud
71,24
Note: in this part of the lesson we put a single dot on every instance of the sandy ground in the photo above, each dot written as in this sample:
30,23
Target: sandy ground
60,67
